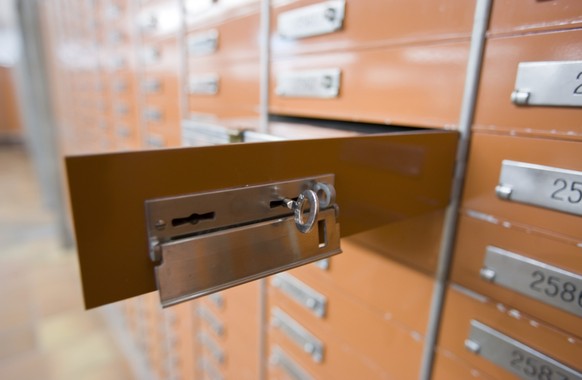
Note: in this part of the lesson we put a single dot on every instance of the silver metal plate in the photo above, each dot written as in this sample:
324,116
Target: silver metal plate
212,320
538,185
280,359
202,133
549,284
322,264
217,299
197,266
301,293
207,84
549,84
312,20
213,347
203,43
515,356
230,207
151,85
209,369
322,83
298,334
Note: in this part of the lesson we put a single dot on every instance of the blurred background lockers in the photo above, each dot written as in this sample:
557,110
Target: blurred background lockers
399,303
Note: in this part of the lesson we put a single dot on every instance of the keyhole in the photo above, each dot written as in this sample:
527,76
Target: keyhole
192,219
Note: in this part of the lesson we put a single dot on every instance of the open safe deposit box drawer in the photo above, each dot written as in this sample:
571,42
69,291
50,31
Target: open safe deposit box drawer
192,221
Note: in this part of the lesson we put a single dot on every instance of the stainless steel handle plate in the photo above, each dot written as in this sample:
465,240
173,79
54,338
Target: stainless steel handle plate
202,243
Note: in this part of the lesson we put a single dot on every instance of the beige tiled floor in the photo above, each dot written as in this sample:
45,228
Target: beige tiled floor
44,331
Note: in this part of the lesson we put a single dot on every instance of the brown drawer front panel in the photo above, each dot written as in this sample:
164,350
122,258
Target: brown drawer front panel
461,309
340,360
447,366
160,89
376,337
523,16
160,56
401,85
367,275
485,162
237,88
376,22
236,40
474,236
237,306
496,112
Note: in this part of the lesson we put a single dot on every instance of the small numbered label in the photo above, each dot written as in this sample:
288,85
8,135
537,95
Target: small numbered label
515,356
549,83
545,186
546,283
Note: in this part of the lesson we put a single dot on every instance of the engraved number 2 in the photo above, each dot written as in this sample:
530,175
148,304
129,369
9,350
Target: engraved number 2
578,90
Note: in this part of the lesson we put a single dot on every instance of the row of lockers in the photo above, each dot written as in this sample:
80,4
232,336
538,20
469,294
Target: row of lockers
169,73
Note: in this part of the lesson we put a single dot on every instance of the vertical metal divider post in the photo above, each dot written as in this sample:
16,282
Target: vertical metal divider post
264,67
138,71
40,125
183,65
475,60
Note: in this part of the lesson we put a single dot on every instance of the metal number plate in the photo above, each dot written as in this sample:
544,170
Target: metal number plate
215,324
209,369
538,185
203,43
313,20
546,283
301,293
293,370
516,357
204,85
213,347
324,83
548,84
298,334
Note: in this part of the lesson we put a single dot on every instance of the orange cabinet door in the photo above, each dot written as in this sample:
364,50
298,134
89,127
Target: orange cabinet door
379,179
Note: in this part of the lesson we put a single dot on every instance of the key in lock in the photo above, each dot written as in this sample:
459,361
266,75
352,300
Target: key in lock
322,196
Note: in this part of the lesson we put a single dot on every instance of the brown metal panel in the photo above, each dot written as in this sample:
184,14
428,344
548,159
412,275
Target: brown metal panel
473,238
533,15
487,153
368,274
415,85
379,179
496,112
461,308
237,37
447,366
239,308
372,23
238,89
